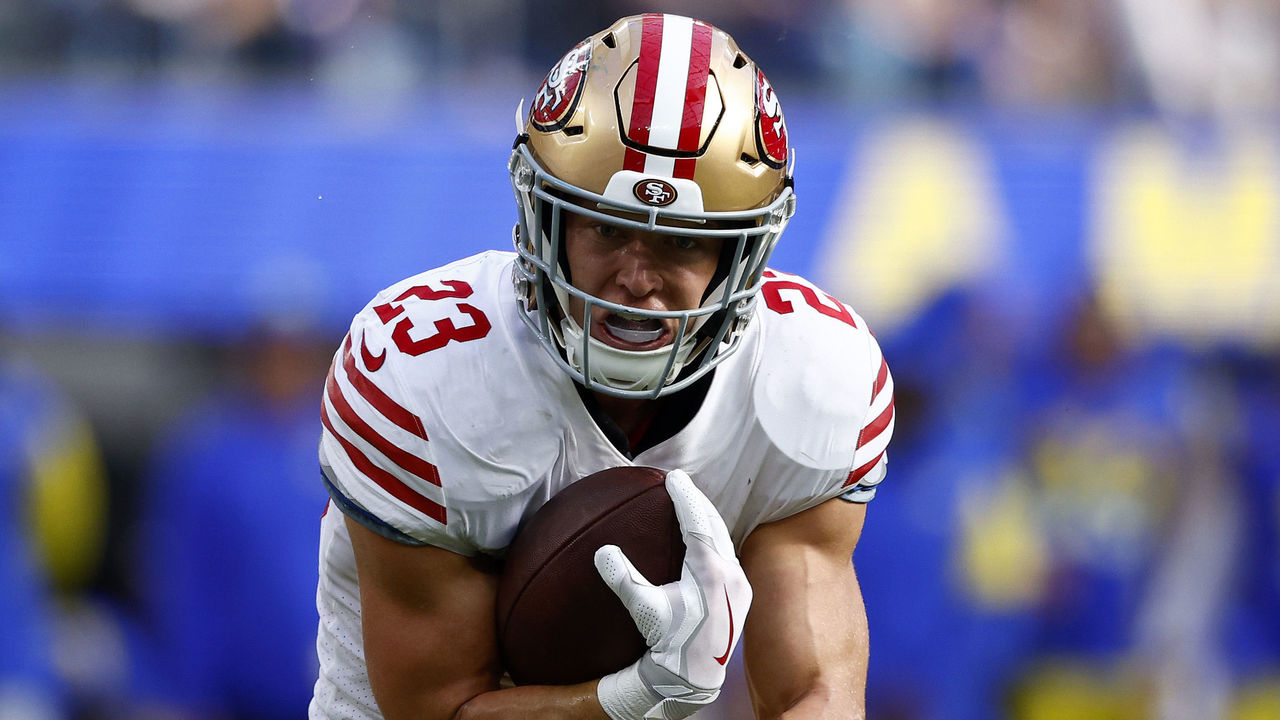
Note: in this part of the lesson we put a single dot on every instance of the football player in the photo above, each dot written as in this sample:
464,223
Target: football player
636,323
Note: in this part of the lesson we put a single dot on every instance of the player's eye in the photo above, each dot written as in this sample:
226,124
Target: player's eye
682,242
608,231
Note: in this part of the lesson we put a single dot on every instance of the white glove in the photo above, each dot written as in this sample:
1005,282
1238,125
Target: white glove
691,625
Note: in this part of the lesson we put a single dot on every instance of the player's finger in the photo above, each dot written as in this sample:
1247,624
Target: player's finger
696,514
647,605
616,569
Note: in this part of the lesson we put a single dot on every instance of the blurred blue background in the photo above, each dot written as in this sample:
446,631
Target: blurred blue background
1062,219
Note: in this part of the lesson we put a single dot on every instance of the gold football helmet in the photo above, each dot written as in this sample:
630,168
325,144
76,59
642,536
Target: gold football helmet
658,123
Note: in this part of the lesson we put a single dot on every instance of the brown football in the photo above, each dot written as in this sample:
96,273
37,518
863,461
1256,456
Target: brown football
558,623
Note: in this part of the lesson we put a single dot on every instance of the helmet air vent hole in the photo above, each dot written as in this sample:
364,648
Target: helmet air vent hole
749,160
573,130
739,62
610,41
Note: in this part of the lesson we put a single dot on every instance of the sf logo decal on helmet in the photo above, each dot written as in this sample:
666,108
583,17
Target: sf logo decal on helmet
658,193
557,98
771,128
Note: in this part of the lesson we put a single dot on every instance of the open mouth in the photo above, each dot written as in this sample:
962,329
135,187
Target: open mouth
638,331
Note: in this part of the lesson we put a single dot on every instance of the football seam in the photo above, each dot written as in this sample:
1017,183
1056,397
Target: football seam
567,541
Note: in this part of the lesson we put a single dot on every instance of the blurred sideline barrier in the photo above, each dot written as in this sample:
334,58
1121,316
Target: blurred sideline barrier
173,213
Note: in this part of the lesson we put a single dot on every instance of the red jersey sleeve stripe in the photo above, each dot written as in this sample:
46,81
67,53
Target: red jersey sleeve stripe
384,479
857,475
881,377
873,429
390,409
394,453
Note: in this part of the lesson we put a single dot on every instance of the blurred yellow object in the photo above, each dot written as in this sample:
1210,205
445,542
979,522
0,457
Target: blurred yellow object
1189,247
1003,554
1072,690
919,215
1103,492
67,501
1257,701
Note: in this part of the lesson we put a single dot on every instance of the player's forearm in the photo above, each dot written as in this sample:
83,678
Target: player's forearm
833,704
840,697
841,692
822,698
554,702
819,673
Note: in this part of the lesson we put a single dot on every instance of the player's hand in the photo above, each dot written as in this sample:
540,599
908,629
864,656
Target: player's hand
691,626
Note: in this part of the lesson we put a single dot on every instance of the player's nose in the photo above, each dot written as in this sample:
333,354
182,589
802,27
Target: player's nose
638,270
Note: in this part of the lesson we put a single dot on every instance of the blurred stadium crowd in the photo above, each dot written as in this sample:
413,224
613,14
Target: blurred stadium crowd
1082,518
1215,56
1196,56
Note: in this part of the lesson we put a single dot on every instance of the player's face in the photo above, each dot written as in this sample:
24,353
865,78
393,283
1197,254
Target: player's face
640,269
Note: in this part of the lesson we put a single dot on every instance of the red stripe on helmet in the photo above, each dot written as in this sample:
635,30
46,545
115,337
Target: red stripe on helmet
646,88
695,96
634,160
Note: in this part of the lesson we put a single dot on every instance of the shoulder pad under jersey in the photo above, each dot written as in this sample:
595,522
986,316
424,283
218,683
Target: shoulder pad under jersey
426,370
822,386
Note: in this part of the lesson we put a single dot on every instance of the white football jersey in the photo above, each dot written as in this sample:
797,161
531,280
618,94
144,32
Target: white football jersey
446,423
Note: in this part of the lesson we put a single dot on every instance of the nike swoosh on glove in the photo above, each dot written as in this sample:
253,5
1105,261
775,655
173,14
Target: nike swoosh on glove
691,625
